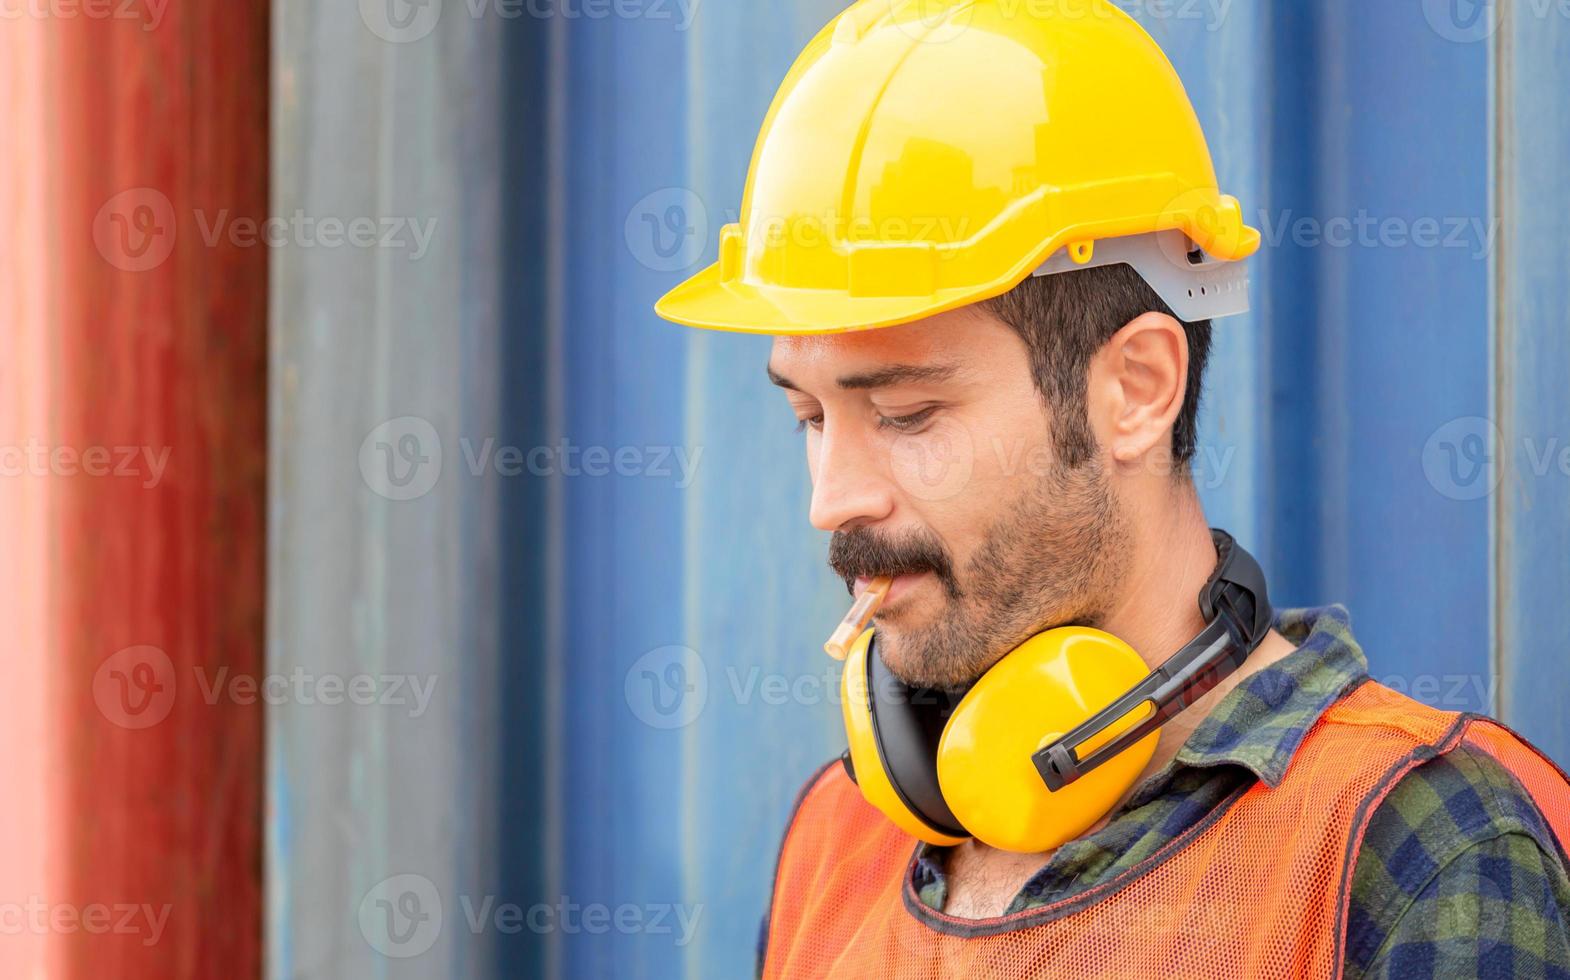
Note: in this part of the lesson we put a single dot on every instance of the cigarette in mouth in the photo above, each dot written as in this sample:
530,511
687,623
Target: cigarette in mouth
861,611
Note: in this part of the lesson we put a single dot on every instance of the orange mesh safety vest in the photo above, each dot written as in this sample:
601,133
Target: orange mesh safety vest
1258,889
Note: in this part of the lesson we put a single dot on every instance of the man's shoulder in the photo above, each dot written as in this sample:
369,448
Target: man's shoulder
1458,824
1459,798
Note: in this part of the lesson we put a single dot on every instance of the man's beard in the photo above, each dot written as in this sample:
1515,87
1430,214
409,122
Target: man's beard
1050,560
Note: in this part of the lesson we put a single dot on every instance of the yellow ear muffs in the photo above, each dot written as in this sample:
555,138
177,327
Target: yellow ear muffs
983,783
1049,739
1029,699
877,778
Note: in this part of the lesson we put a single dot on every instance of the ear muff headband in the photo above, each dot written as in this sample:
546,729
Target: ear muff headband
1237,610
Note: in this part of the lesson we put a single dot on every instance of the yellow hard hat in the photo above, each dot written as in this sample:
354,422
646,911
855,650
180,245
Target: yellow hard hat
922,155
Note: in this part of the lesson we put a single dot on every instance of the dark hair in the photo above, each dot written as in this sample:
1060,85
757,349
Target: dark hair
1065,319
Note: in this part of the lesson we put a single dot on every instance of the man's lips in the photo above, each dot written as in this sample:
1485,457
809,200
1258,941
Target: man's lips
901,585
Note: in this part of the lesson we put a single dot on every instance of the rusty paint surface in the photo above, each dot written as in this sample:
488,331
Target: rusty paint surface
144,337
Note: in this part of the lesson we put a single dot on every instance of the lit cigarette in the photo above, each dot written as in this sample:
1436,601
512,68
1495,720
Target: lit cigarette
856,620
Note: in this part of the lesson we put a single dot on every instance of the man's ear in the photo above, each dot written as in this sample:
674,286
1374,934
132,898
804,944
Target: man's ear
1136,386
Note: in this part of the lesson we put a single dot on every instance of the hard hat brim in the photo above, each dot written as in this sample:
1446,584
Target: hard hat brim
707,302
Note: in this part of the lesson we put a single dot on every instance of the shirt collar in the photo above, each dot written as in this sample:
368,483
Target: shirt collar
1260,723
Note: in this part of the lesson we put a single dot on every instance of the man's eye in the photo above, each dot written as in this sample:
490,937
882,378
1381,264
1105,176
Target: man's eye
906,423
814,423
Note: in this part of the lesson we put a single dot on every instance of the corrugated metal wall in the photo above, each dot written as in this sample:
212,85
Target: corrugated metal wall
628,689
540,593
1532,357
392,564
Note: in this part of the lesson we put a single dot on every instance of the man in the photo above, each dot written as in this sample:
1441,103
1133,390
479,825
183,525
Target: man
989,243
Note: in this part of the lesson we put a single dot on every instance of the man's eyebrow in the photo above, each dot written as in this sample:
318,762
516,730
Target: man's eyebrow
898,374
880,378
780,379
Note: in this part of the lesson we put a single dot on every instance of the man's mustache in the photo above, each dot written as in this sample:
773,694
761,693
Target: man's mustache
865,553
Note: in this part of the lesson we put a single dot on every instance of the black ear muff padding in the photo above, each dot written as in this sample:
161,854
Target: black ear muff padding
907,723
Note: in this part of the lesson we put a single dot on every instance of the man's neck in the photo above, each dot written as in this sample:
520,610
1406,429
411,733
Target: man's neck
1172,559
1159,612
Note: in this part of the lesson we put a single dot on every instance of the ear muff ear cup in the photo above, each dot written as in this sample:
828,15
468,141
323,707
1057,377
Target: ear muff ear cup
1043,689
894,732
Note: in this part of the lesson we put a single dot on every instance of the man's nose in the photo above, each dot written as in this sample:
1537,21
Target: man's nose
851,485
